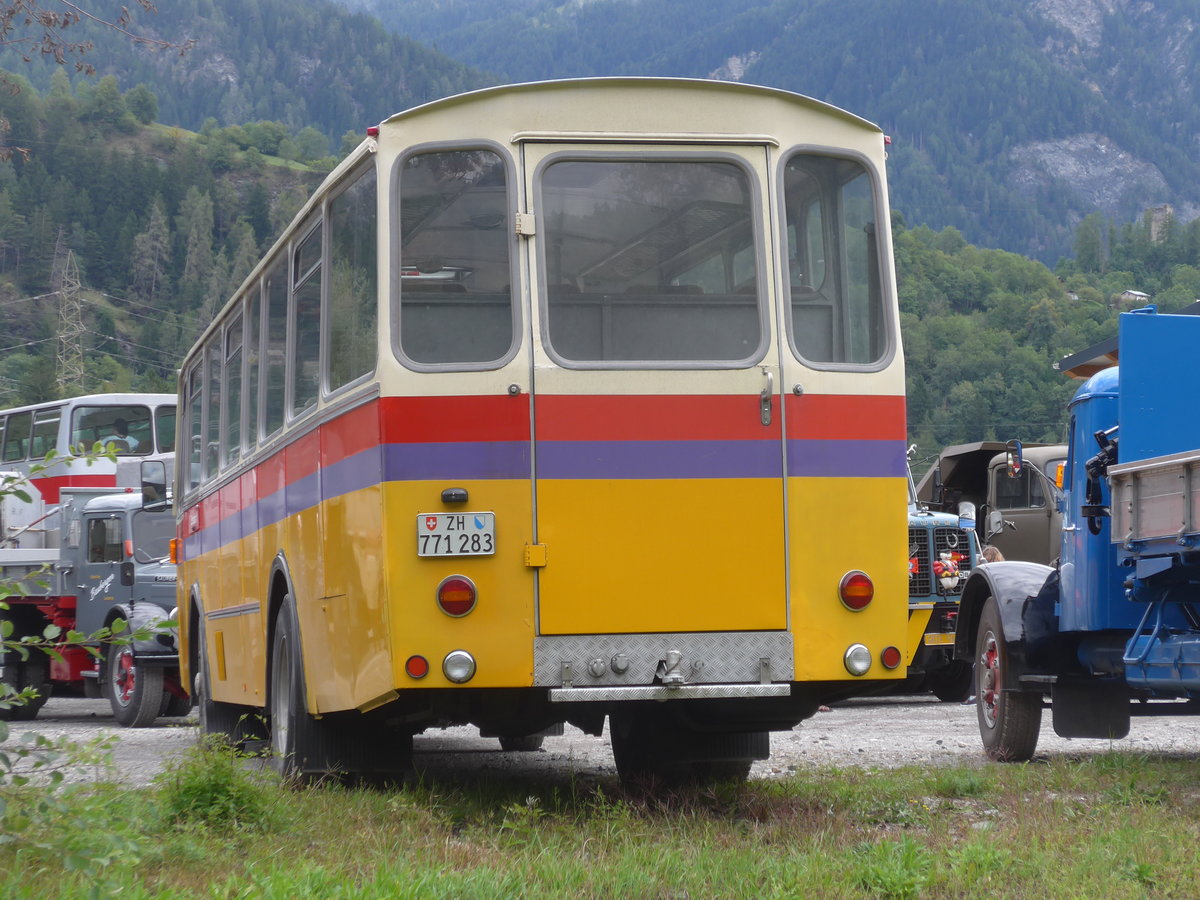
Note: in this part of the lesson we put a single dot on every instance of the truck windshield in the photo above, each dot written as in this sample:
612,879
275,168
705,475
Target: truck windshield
152,533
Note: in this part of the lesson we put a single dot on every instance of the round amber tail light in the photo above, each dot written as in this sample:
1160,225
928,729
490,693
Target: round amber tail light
456,595
856,590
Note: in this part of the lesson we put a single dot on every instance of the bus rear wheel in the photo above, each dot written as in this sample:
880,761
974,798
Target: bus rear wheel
655,750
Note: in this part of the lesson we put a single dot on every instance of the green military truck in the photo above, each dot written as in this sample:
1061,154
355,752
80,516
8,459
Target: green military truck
1018,515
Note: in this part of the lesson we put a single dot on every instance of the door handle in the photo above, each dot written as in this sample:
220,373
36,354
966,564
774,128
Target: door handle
764,399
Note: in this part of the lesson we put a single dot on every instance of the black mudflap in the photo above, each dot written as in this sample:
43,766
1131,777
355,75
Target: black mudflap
1090,709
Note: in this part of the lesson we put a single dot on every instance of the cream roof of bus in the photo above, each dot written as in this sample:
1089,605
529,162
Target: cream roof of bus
573,113
573,110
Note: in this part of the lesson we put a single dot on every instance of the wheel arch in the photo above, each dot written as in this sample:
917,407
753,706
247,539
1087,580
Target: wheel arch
279,586
1017,587
137,615
195,612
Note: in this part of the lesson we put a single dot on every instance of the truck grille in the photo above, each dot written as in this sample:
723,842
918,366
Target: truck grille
924,546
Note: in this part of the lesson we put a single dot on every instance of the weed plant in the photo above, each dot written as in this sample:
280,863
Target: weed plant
214,826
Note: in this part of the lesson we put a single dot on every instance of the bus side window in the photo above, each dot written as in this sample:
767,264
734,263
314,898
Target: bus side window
45,432
253,355
353,285
16,436
276,347
212,409
164,424
304,369
195,444
233,387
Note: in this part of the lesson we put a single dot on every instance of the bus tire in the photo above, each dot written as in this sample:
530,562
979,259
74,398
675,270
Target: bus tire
135,692
300,745
652,750
216,718
1009,720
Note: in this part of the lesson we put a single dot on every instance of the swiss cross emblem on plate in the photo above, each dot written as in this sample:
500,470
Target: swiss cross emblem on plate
431,522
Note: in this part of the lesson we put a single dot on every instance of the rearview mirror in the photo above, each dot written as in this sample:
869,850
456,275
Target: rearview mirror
1014,459
154,484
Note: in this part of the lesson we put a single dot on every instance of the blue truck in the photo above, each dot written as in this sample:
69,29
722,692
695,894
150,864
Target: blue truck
1116,622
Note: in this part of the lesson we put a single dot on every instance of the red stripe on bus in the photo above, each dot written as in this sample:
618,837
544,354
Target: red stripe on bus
354,432
659,417
846,417
50,485
303,457
428,420
271,474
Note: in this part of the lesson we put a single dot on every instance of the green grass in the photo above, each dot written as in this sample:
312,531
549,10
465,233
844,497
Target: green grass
1118,825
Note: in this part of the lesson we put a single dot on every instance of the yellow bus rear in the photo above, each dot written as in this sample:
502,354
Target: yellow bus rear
604,420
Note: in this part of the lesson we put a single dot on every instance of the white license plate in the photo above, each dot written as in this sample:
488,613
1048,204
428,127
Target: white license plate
456,534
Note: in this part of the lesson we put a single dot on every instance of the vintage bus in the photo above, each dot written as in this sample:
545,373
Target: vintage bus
135,425
556,403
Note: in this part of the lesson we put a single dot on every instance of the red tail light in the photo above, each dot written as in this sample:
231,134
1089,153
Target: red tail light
856,590
890,657
456,595
416,666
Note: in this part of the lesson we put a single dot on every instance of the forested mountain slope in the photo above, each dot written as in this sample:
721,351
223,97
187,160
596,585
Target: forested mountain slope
1012,119
301,62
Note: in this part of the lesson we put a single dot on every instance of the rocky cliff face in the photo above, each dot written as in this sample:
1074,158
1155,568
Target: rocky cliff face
1136,55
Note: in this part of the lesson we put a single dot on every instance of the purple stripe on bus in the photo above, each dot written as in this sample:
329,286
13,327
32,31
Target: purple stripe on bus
465,460
362,470
846,459
271,509
303,493
660,459
561,459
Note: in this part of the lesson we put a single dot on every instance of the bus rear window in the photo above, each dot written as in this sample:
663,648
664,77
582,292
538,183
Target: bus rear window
455,275
836,307
650,262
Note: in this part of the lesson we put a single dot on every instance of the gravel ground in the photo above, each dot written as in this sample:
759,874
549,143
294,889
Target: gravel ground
869,732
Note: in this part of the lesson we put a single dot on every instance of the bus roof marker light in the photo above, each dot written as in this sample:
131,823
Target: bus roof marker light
856,590
857,659
456,595
458,666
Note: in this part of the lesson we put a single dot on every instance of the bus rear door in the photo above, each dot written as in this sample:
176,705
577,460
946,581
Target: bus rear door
658,443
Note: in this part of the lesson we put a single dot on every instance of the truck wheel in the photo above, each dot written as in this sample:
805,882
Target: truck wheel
951,683
1009,721
135,692
22,673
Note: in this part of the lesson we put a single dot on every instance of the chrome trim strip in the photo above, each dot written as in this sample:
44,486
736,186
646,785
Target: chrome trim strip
243,609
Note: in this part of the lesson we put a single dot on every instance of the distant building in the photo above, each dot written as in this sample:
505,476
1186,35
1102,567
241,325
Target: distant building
1132,299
